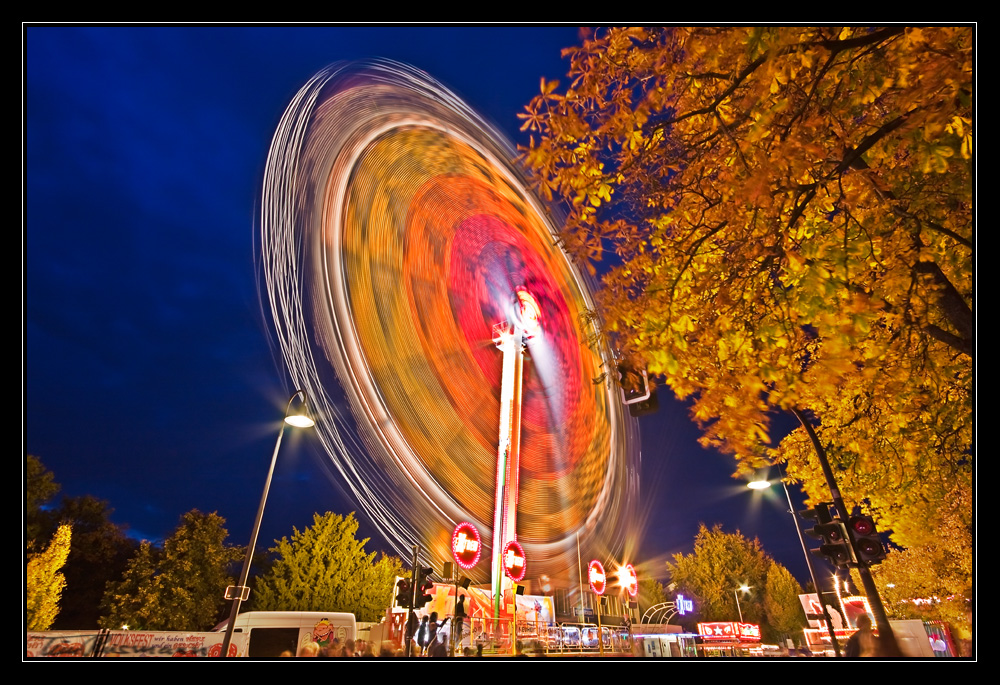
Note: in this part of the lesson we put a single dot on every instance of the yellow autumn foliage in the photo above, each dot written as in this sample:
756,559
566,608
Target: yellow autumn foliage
800,201
44,581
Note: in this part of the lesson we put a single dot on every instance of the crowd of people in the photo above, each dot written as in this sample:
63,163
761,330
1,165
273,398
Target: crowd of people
430,638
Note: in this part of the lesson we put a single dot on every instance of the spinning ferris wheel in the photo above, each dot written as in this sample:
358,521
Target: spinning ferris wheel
400,245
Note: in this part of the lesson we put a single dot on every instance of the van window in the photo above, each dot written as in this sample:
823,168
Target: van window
273,641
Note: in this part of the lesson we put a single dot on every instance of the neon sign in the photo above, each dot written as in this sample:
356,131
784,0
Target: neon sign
598,581
729,631
465,545
683,605
513,561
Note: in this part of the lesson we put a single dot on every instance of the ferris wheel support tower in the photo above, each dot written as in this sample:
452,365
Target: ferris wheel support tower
510,339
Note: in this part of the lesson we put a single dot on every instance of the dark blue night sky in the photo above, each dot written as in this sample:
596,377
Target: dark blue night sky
148,379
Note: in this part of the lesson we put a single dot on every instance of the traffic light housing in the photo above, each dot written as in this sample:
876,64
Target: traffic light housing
635,389
404,593
868,546
424,586
836,547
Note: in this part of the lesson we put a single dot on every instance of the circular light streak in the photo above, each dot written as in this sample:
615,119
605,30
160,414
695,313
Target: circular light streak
395,233
598,579
466,547
514,562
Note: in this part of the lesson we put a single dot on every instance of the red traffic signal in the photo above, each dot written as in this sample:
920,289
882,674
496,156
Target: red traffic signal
404,593
867,545
424,586
835,548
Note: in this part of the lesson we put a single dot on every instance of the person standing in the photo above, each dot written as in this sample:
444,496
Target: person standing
864,642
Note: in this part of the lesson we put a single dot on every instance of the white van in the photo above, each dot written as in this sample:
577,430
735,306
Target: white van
269,633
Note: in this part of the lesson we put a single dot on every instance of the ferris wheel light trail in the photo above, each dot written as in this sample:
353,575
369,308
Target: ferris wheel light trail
395,232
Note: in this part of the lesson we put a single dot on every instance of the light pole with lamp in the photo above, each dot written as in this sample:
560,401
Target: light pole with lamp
744,589
240,592
763,484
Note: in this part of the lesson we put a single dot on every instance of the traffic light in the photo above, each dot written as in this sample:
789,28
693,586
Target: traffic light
636,391
835,548
867,545
404,593
424,586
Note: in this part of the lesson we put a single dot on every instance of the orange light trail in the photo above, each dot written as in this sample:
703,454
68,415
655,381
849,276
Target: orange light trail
396,232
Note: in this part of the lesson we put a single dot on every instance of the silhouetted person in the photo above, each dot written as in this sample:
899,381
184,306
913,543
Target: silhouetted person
864,642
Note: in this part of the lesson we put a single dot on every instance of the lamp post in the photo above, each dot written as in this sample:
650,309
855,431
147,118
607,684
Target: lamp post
239,592
764,484
742,588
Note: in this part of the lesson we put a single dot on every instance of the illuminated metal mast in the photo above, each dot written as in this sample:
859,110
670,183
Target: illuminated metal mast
510,338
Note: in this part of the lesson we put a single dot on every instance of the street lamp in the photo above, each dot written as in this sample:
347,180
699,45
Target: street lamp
744,589
763,484
239,592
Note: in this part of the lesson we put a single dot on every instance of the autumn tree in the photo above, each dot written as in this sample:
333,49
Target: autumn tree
782,607
99,554
325,568
100,548
720,564
790,211
44,581
181,588
934,581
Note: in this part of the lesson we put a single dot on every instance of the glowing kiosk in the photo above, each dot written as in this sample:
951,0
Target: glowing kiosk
510,338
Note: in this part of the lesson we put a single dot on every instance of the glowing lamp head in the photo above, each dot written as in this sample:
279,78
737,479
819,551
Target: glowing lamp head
628,580
759,485
299,421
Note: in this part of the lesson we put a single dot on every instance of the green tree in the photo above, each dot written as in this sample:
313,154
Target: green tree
782,607
134,600
720,564
325,568
44,582
651,593
195,570
39,488
791,214
180,589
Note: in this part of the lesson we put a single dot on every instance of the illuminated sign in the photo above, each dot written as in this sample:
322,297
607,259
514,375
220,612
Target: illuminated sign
598,581
684,605
729,631
630,581
513,561
465,545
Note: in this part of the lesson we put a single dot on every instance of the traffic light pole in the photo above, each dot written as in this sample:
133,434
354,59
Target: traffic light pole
809,565
888,638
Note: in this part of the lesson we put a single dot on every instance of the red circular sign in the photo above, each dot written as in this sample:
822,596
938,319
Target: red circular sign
630,581
598,581
465,545
513,561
